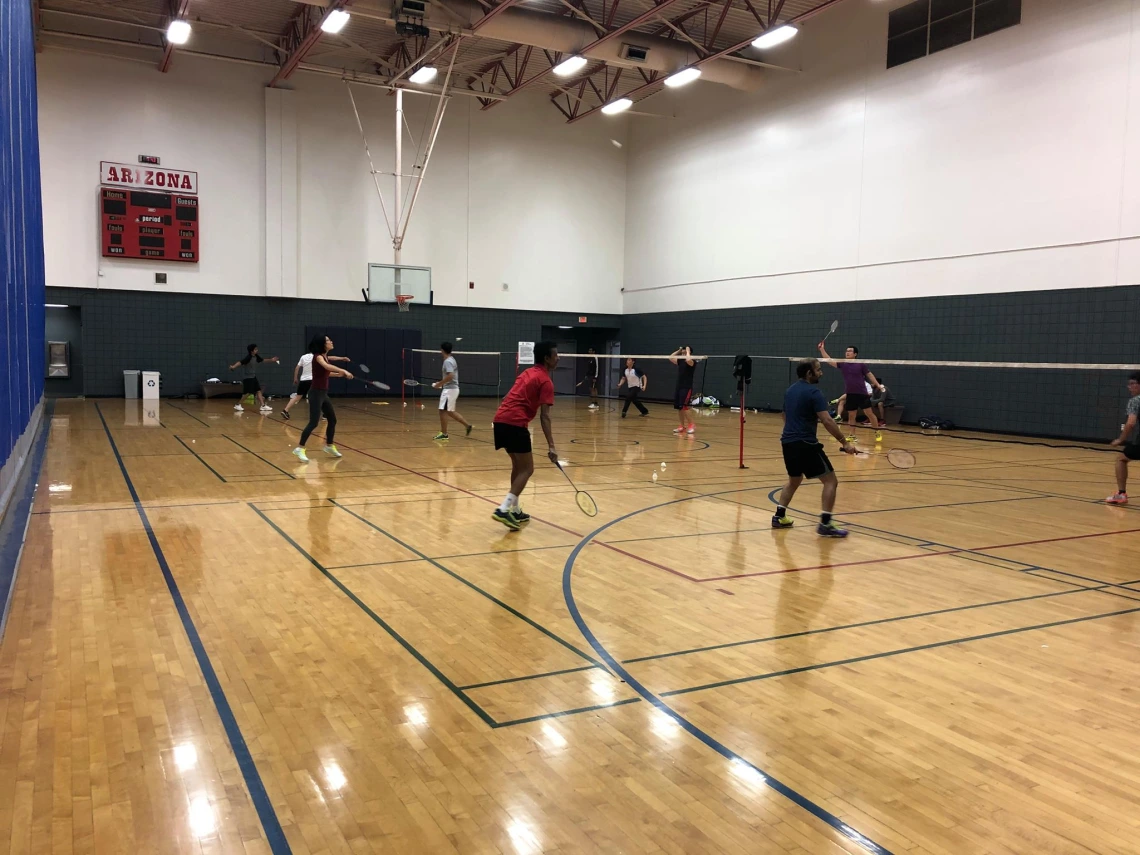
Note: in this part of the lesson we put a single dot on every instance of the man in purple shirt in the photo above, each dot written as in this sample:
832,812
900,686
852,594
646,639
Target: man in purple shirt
856,376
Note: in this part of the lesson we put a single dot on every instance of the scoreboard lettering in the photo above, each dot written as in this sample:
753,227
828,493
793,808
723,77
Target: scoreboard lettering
148,224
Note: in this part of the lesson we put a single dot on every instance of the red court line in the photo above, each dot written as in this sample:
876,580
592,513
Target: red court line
920,555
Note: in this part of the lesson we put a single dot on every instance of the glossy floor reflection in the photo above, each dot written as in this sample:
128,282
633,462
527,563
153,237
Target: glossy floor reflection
215,648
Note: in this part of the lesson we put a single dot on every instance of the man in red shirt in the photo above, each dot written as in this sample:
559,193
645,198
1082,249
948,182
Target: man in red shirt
533,392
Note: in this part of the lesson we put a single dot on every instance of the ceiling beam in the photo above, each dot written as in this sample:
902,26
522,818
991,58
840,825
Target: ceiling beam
721,53
643,18
178,10
301,34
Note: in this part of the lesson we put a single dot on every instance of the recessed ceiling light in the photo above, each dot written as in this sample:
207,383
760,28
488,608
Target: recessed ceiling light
680,78
569,65
334,21
775,37
178,33
424,74
618,106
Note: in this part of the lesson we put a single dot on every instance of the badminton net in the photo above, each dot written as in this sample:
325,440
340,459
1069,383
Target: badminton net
480,371
658,375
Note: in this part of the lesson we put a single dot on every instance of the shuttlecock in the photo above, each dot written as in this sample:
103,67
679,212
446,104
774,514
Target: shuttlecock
662,465
421,406
654,476
405,403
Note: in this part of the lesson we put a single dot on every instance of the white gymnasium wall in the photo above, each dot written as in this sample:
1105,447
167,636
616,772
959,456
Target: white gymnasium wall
513,195
1010,163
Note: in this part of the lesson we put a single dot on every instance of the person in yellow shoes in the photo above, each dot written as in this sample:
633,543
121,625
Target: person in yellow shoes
321,347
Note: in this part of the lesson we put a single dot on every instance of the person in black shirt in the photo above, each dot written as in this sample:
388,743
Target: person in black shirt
682,357
804,409
591,378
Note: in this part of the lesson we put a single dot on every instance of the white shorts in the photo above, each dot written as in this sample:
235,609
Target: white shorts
447,399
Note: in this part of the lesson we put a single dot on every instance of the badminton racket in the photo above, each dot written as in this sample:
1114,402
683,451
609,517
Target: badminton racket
898,457
584,500
411,382
372,384
834,327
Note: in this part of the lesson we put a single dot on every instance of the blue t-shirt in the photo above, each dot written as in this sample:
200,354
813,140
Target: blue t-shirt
801,403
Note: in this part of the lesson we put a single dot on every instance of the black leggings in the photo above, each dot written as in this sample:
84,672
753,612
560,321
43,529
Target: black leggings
319,403
631,398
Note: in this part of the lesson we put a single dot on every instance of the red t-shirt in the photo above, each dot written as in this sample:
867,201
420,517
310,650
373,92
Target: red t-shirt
320,376
532,389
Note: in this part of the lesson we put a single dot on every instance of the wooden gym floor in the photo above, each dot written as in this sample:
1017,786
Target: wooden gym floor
214,649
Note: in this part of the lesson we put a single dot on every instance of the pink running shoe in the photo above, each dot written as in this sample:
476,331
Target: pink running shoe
1117,499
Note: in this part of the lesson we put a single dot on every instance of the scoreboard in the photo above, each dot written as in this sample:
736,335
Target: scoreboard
148,224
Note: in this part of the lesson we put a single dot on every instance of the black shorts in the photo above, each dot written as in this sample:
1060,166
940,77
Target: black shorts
807,459
681,399
303,388
1131,451
250,386
512,439
856,402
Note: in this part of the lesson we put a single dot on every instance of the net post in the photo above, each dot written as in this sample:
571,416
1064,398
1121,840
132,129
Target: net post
403,375
742,389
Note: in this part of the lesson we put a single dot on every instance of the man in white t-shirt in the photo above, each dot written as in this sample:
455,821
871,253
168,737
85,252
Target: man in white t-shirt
449,394
636,383
302,379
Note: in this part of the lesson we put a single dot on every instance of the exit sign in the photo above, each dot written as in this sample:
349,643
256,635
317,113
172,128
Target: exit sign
581,319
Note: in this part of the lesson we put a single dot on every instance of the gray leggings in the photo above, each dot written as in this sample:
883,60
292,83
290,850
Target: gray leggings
319,402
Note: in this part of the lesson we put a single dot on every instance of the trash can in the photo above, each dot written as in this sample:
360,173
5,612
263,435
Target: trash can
151,384
131,383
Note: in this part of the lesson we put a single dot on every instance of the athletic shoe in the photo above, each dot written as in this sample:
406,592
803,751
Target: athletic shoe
645,415
238,408
299,453
678,430
1117,498
332,451
441,436
285,415
852,439
623,415
782,522
506,518
469,429
267,409
518,514
882,424
830,530
592,407
691,430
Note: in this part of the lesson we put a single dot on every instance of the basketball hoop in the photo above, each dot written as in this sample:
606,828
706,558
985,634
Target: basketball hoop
404,301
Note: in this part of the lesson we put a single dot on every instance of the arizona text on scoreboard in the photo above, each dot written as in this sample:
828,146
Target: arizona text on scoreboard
148,212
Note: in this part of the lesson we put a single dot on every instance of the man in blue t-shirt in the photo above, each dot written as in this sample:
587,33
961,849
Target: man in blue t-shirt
804,457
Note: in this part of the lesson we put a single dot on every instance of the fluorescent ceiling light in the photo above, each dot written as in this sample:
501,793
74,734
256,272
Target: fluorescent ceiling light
775,37
618,106
178,33
334,21
680,78
569,65
561,327
424,74
56,306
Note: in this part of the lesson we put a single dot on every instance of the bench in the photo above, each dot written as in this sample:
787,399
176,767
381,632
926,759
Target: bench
227,387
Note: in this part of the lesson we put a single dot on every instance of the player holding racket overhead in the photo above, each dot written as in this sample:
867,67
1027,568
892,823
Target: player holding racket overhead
449,394
804,457
856,376
686,368
533,393
319,403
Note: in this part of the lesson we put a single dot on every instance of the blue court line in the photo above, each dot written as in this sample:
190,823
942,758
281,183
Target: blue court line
693,730
184,445
258,456
17,518
274,834
917,648
528,677
510,609
866,623
399,639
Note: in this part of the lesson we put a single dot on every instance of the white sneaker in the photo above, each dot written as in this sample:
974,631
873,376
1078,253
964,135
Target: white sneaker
678,430
299,453
592,407
267,409
238,408
691,430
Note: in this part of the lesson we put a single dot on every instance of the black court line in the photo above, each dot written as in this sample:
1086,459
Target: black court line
866,623
270,824
197,456
529,677
563,713
508,608
439,557
259,457
131,507
188,413
399,639
917,648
